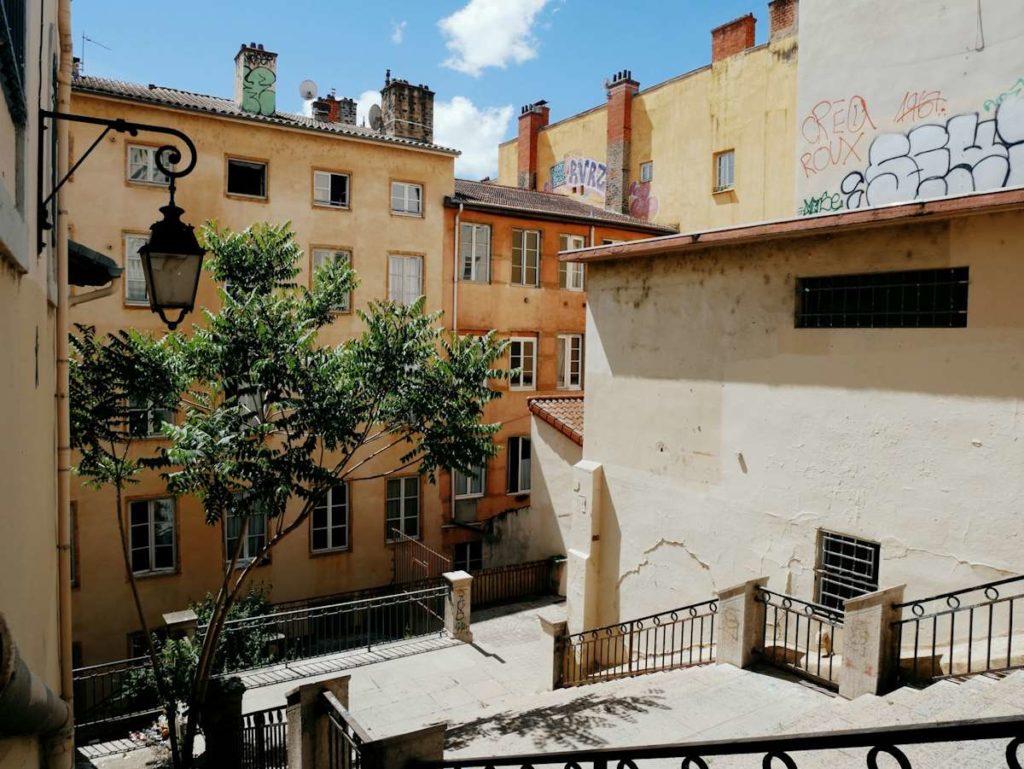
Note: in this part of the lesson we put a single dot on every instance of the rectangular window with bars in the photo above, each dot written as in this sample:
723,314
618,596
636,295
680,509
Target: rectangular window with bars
134,276
847,567
905,299
526,257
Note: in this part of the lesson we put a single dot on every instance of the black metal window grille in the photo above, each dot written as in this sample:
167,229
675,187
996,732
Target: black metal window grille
847,568
12,57
908,299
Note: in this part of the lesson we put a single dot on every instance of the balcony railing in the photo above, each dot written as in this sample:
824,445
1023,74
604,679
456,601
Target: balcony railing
113,691
960,633
503,584
345,737
801,636
265,739
673,639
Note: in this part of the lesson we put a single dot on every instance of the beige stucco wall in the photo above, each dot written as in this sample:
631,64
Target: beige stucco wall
881,114
728,437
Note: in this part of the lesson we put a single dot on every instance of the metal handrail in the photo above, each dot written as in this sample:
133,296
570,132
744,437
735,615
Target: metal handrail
986,587
885,740
810,608
672,614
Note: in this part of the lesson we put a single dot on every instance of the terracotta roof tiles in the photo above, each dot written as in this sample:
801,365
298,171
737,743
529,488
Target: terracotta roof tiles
563,412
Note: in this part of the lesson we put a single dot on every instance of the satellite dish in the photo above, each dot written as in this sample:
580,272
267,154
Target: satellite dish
376,122
307,90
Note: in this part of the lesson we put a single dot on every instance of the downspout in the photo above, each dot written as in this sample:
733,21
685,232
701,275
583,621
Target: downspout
455,311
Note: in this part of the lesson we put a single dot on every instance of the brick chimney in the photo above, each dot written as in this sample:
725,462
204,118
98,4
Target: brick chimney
532,118
621,89
407,111
255,78
782,18
734,37
331,109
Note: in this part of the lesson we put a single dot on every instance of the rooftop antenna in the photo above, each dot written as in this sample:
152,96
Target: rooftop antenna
87,39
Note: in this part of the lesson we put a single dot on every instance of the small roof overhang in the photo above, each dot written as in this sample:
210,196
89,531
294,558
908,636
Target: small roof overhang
87,267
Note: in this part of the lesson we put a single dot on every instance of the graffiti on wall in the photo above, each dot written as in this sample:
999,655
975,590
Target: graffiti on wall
961,155
826,202
258,88
920,105
642,204
581,175
1015,90
834,129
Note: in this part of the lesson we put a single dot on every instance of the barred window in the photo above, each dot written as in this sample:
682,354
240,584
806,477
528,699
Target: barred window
847,567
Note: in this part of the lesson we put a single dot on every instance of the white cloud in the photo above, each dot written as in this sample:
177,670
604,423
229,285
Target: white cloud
397,32
476,131
491,33
363,103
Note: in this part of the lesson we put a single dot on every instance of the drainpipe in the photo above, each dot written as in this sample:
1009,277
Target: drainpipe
27,705
455,311
592,243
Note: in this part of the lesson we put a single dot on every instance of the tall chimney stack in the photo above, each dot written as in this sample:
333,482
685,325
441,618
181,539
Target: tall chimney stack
532,118
732,38
255,78
621,89
782,18
331,109
407,111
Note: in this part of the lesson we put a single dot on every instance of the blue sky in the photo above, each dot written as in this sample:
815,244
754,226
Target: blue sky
483,58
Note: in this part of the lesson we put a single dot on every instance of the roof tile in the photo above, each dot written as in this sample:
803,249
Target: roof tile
564,413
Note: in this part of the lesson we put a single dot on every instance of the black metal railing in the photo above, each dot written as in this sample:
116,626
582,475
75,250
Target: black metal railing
317,631
888,741
504,584
12,57
412,561
801,636
673,639
114,691
964,632
345,738
265,739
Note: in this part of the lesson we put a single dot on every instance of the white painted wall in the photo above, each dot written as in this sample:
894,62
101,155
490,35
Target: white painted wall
728,437
908,99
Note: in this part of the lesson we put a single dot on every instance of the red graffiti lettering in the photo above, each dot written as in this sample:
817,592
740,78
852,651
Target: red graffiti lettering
917,105
836,127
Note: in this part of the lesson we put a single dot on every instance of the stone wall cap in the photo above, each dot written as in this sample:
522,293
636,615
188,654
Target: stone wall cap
743,587
458,578
182,617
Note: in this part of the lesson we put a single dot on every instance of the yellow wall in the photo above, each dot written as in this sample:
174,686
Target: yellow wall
105,206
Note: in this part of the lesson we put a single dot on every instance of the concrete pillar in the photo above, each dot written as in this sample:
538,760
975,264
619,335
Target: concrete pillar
307,744
222,722
402,750
740,623
870,651
584,552
181,624
457,606
556,634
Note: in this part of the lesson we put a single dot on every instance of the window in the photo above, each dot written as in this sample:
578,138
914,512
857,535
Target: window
847,567
526,257
151,534
137,646
468,556
142,165
12,58
522,353
570,274
475,247
247,177
725,166
134,276
646,171
469,485
405,278
330,189
407,198
321,256
570,361
144,420
518,465
403,507
910,299
255,537
329,529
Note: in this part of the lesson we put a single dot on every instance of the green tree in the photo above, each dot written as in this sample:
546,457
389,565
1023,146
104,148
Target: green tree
272,418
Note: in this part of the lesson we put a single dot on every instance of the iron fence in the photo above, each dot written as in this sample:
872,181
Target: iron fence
265,739
321,630
345,738
673,639
805,637
114,691
503,584
960,633
412,561
886,741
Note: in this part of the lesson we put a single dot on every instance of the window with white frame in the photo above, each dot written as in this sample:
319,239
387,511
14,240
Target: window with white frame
646,171
475,246
522,352
142,166
570,274
330,189
151,535
255,535
247,178
518,465
405,278
407,198
143,419
403,507
725,167
134,276
847,567
329,526
570,361
468,556
526,257
322,256
469,485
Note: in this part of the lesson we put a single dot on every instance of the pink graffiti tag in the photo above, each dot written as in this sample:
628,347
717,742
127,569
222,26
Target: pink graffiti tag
642,204
835,128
